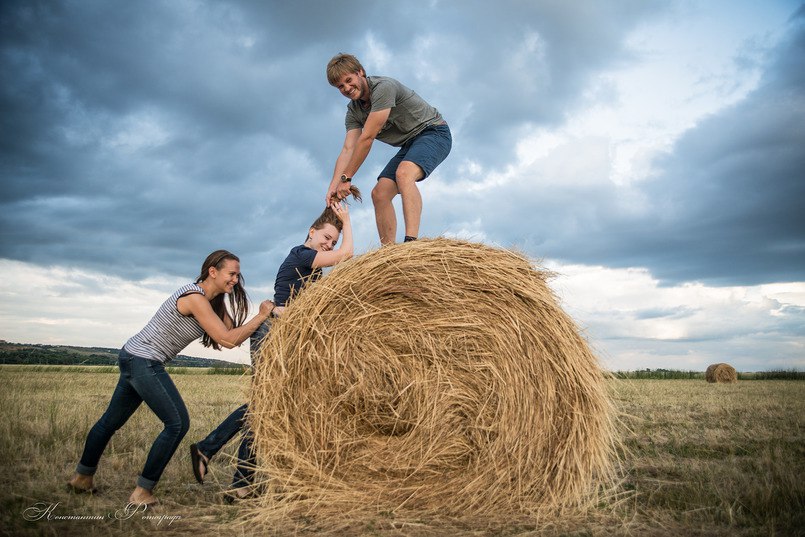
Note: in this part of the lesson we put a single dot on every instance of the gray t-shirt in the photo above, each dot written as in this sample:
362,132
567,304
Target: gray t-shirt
409,115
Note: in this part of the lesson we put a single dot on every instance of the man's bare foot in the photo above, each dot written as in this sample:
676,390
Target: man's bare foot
142,496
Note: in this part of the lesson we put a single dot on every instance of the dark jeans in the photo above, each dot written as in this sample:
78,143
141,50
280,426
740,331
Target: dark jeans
140,380
222,434
218,438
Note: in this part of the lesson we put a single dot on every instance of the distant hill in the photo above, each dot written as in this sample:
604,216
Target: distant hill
20,353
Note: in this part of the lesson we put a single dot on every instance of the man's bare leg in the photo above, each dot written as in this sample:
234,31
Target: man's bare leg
408,174
382,194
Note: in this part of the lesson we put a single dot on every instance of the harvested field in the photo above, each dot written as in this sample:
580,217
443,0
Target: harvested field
716,460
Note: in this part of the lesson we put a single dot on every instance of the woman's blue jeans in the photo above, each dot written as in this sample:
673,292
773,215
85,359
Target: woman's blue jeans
140,380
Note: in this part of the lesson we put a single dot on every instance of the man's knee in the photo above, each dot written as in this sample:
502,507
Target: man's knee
384,191
408,173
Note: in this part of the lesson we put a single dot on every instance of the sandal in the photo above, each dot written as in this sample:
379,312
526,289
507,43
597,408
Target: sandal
197,458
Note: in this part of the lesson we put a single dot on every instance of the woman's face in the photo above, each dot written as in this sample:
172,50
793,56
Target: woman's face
324,239
226,277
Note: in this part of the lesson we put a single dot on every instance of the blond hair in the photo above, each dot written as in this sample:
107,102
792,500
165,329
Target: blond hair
342,64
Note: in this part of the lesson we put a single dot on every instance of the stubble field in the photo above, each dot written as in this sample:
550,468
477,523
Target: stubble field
698,459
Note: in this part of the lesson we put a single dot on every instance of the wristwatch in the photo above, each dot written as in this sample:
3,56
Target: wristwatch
345,179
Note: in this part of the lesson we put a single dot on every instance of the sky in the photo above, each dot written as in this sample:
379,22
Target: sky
650,153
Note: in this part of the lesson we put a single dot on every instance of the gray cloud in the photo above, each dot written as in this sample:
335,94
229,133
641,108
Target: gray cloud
724,207
728,204
137,137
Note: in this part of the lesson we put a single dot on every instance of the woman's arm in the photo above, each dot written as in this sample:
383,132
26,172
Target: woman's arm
328,259
199,307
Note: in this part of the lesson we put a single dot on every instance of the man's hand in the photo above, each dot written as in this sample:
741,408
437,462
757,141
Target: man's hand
343,190
351,189
331,193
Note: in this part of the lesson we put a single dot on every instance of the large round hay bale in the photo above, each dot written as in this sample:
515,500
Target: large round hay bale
438,376
721,373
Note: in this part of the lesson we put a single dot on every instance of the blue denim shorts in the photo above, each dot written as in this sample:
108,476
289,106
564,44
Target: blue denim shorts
427,150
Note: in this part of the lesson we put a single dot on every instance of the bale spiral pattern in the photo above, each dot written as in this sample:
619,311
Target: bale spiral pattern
721,373
433,376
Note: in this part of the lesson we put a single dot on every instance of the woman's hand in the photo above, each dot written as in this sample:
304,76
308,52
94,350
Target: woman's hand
266,307
341,210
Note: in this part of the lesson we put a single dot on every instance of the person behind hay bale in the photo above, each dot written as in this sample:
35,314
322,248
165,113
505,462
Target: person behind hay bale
303,264
721,373
196,310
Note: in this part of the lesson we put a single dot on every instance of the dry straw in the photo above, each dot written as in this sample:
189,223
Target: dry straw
722,373
433,377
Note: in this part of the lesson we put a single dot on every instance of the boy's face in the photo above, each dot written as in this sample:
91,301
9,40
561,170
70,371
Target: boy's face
353,86
324,239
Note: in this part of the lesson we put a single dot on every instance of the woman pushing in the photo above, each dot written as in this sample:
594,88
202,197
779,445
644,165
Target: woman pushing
196,310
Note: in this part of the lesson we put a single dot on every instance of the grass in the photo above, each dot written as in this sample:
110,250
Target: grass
723,459
699,459
676,374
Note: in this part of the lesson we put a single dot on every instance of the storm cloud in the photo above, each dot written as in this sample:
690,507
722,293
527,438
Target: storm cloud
649,152
137,137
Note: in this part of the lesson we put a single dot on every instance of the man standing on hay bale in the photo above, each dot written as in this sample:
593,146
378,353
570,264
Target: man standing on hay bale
304,263
381,107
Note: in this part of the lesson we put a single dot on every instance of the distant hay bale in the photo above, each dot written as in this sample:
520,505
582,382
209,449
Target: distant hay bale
722,373
438,376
